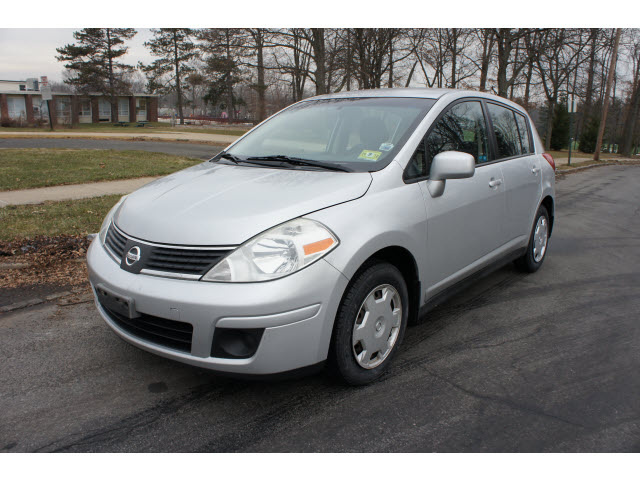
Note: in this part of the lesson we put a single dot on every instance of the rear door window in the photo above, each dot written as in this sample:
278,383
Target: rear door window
506,131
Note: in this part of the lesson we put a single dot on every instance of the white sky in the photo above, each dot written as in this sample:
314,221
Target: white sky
31,52
26,51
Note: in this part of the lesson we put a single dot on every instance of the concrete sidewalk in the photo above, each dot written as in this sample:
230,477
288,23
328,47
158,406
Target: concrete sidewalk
130,135
71,192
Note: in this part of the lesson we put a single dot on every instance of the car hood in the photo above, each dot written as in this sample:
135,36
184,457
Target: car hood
218,204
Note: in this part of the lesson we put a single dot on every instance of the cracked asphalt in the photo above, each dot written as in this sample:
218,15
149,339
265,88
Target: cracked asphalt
542,362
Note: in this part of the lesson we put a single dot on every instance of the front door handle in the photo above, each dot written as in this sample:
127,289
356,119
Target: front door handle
495,182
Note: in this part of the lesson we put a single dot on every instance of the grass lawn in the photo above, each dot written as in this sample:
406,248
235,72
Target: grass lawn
44,167
70,217
152,127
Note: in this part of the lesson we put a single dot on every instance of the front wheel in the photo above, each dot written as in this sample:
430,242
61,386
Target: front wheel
370,324
537,247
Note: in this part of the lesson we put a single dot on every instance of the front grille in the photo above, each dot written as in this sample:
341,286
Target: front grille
193,262
167,333
115,241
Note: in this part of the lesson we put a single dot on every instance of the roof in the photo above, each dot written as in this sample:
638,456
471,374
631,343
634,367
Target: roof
433,93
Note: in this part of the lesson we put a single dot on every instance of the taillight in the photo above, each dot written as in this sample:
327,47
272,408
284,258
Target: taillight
550,159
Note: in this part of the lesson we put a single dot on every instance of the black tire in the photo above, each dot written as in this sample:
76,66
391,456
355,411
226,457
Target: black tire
341,361
527,262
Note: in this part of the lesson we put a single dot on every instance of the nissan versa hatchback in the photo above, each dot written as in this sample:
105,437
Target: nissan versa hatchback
319,235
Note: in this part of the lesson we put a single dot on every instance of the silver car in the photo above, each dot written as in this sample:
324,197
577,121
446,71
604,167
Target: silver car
319,235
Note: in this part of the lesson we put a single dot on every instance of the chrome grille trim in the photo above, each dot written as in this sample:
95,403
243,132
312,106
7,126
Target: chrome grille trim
162,260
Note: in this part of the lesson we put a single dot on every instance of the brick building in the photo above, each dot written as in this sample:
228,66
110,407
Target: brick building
21,104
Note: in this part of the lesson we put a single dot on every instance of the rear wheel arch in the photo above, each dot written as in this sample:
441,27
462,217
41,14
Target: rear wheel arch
549,205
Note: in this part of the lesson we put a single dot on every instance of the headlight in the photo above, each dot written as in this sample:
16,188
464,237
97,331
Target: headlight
275,253
107,220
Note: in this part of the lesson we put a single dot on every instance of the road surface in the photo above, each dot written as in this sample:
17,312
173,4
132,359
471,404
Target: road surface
542,362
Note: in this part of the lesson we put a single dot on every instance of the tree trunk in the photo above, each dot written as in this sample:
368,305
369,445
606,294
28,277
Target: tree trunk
390,85
410,76
632,115
262,107
487,48
454,56
527,88
317,35
348,61
605,106
514,69
176,64
592,66
504,51
231,110
549,127
112,89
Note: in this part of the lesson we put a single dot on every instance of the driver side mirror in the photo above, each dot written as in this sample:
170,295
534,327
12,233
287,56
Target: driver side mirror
449,165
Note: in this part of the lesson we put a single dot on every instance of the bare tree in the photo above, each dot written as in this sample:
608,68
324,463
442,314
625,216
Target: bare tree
175,49
605,106
633,108
556,59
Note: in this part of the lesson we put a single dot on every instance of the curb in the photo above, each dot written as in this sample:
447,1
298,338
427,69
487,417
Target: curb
587,167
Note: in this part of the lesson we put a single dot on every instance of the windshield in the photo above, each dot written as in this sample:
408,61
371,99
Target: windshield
361,134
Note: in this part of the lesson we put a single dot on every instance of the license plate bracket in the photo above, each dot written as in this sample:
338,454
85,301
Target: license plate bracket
115,302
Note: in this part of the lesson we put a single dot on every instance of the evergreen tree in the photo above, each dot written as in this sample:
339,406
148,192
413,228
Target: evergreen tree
175,49
589,135
223,47
93,62
560,129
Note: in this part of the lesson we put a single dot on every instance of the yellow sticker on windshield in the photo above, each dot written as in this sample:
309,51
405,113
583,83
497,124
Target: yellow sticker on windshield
371,155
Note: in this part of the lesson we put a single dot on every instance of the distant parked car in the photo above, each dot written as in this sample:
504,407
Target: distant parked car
317,236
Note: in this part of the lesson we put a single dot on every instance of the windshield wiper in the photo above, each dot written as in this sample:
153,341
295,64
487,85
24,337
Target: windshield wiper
229,156
299,162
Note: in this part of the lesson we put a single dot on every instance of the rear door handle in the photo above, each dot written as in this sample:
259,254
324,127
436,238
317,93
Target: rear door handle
495,182
535,170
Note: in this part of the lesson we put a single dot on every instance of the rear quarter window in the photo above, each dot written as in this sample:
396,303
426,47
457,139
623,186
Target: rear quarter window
523,129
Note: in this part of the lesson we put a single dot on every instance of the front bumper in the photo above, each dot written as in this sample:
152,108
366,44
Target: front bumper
297,313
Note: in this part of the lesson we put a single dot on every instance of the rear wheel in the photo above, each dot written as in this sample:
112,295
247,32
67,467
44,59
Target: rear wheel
370,324
537,248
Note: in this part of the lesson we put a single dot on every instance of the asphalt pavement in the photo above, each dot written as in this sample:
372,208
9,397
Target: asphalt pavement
195,150
542,362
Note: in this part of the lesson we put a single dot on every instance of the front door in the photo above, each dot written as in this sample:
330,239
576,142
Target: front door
464,224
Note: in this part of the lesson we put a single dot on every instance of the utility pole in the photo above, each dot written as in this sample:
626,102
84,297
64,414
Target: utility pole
605,106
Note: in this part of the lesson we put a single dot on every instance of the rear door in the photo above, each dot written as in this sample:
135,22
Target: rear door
464,224
521,168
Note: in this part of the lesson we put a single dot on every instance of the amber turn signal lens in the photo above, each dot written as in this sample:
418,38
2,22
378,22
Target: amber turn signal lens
318,246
